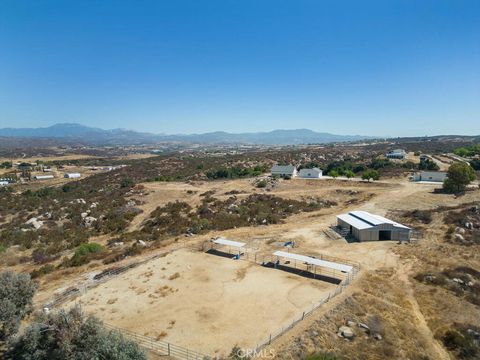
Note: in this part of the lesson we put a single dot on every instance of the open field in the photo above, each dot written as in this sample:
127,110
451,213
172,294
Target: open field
203,302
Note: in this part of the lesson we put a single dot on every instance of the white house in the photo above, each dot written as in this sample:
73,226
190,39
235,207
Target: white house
433,176
396,154
284,170
314,173
3,183
72,175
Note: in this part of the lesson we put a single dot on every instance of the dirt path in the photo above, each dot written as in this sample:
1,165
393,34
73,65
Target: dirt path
403,274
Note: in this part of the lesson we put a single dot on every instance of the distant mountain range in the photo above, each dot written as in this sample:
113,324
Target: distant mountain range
90,135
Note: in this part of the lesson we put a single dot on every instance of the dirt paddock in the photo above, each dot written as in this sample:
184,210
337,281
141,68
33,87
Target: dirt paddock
204,302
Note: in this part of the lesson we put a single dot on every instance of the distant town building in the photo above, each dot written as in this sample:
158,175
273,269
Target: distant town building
364,226
314,173
284,170
396,154
72,175
432,176
43,177
4,183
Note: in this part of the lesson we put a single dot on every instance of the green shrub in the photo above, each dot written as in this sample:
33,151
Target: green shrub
127,183
45,269
84,253
70,335
262,184
16,294
370,175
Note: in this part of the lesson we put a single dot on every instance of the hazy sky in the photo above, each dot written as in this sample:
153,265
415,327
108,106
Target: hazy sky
392,68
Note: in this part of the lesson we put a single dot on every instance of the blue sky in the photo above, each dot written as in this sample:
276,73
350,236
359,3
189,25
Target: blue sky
389,68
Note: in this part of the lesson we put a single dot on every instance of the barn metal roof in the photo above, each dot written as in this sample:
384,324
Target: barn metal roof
364,220
314,261
223,241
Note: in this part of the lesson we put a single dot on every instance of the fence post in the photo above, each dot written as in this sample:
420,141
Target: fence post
168,348
303,315
270,341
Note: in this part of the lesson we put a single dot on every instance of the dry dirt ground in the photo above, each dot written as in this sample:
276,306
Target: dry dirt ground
202,301
194,310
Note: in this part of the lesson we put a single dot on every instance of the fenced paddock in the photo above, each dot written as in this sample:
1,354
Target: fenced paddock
203,302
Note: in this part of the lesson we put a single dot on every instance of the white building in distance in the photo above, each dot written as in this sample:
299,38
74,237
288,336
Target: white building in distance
396,154
43,177
431,176
284,170
314,173
72,175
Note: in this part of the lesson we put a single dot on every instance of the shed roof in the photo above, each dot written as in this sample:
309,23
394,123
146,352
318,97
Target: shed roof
314,261
223,241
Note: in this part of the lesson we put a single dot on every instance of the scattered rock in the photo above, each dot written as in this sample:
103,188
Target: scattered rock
346,332
35,223
377,337
351,323
88,221
458,281
141,243
460,230
364,327
84,215
459,237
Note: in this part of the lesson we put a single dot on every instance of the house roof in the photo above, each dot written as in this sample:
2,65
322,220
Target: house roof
312,169
364,220
314,261
283,168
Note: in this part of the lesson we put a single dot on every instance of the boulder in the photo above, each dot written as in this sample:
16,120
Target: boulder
364,327
351,323
141,243
460,230
88,221
459,237
377,337
84,215
346,332
35,223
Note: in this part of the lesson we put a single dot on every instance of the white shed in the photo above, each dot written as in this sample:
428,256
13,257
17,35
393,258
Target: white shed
430,176
314,173
43,177
72,175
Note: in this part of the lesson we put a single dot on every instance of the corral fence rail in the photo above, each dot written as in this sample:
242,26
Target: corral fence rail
338,290
160,347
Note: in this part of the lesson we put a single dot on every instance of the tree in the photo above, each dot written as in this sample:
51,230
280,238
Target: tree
428,165
16,293
349,174
459,175
333,173
370,175
70,335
